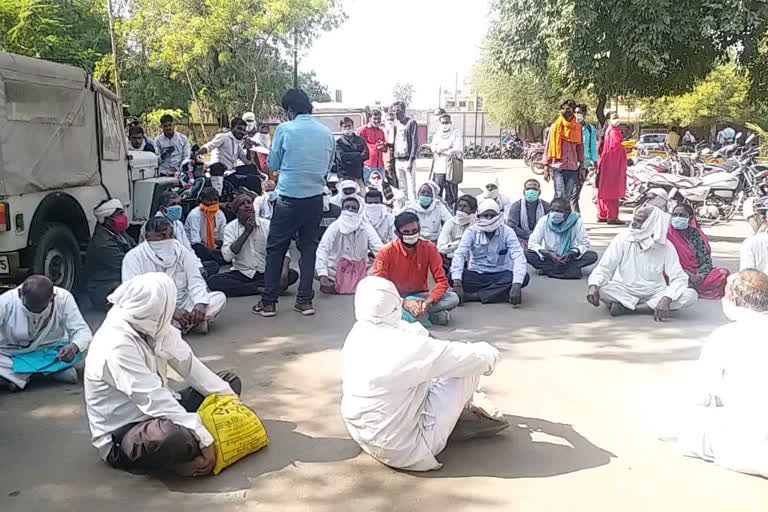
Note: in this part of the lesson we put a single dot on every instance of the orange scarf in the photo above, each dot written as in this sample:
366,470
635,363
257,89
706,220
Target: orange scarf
210,224
570,130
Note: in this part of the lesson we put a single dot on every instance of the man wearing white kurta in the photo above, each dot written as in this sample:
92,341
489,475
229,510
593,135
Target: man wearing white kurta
136,420
633,268
724,418
403,391
195,305
754,253
430,210
36,316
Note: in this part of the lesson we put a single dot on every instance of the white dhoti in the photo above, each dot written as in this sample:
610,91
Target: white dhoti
406,179
215,301
445,402
630,298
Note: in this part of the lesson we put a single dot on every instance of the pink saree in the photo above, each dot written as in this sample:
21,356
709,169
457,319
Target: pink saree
710,286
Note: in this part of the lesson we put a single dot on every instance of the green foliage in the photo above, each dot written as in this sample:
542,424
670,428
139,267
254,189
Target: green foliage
151,120
403,92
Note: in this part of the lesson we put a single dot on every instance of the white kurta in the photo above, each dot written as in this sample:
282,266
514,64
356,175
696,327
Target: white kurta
190,285
444,145
450,237
179,231
252,257
754,253
544,238
403,391
353,246
196,230
631,276
18,336
431,220
726,419
384,225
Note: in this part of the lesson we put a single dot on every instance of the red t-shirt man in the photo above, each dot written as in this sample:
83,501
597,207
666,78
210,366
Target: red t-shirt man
376,140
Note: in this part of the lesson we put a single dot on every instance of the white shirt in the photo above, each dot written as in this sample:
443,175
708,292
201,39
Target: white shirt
444,145
252,257
544,238
641,271
226,149
450,236
190,286
263,206
386,378
353,246
385,227
430,220
180,155
754,253
123,384
196,229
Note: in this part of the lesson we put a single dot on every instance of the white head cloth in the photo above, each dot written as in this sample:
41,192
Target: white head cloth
377,302
349,184
653,230
491,194
485,226
107,209
350,221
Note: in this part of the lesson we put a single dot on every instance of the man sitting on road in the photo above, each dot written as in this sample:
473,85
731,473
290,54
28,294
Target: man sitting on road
559,246
205,227
405,393
245,246
195,305
137,422
106,250
41,332
431,211
378,215
724,419
754,252
342,256
138,141
637,266
454,228
525,213
495,264
407,262
331,213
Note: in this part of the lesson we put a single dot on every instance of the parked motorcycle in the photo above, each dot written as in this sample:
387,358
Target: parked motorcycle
533,157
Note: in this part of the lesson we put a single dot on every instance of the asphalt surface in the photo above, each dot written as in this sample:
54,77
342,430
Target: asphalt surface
584,393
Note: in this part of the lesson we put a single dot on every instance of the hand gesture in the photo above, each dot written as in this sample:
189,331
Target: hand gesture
67,353
250,224
593,295
197,315
662,309
414,307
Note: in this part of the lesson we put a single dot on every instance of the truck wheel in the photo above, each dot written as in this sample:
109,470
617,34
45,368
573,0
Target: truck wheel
57,255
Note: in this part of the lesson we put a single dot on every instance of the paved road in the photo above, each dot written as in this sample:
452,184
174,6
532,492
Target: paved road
582,391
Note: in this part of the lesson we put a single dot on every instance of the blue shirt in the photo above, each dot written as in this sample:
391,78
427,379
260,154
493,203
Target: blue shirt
502,252
589,137
302,150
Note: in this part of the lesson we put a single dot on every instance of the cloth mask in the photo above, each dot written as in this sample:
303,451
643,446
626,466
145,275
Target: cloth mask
557,217
374,212
531,195
463,218
446,128
272,196
410,239
580,118
489,225
173,213
425,201
400,115
119,223
349,133
165,249
349,221
680,223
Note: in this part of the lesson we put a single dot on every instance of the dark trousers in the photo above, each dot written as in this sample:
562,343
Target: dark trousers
490,287
451,191
390,172
205,254
291,217
247,176
564,182
236,284
209,268
160,444
576,193
552,268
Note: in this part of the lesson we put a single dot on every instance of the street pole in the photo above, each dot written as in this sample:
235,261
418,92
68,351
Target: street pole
295,60
114,47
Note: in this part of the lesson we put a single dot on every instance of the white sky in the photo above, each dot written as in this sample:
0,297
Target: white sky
425,42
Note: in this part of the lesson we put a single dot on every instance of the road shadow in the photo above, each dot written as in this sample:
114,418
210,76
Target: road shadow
286,447
514,453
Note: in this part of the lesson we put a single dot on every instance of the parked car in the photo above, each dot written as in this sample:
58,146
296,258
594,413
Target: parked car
650,142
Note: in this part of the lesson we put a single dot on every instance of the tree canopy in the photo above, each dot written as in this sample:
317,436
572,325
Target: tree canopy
403,92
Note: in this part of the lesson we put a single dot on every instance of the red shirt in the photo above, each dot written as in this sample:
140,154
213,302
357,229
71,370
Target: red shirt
372,134
409,273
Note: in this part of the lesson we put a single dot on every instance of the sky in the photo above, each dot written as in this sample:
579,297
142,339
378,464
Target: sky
425,42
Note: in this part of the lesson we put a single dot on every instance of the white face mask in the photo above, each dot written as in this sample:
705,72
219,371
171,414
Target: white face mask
250,125
410,239
580,118
165,249
446,128
615,122
463,218
375,211
217,182
349,133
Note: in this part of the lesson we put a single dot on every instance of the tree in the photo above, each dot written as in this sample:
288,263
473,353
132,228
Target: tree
626,47
523,98
403,92
315,90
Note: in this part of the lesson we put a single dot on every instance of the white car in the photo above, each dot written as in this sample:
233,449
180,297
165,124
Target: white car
651,142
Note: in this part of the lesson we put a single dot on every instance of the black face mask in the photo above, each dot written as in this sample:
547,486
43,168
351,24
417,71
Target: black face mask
400,115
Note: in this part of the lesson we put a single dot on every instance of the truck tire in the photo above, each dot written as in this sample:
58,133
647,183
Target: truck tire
57,255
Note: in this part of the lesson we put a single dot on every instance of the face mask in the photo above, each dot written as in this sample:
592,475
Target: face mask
326,203
463,218
250,125
446,128
680,222
557,217
615,122
410,239
35,318
119,223
580,118
213,209
425,201
531,195
217,182
349,133
400,115
272,196
165,249
375,211
173,213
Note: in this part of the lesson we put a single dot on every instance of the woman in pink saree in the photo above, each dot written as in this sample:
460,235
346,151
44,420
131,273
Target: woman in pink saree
612,177
695,254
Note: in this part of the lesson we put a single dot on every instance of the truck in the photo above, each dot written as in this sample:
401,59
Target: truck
63,151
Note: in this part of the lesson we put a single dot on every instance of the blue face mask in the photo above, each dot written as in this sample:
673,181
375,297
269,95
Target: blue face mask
173,213
272,195
425,201
680,222
531,195
557,217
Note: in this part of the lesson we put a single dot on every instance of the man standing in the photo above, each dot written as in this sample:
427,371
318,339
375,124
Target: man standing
564,150
406,148
673,138
171,147
351,152
726,136
389,131
447,144
302,152
589,138
376,140
227,148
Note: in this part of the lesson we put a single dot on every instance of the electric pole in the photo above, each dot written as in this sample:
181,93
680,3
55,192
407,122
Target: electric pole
114,48
296,59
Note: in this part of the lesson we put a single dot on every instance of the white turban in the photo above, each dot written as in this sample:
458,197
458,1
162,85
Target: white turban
107,209
377,302
653,231
485,226
349,184
250,121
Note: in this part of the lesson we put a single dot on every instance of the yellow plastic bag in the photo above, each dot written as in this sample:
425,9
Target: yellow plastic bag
236,429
